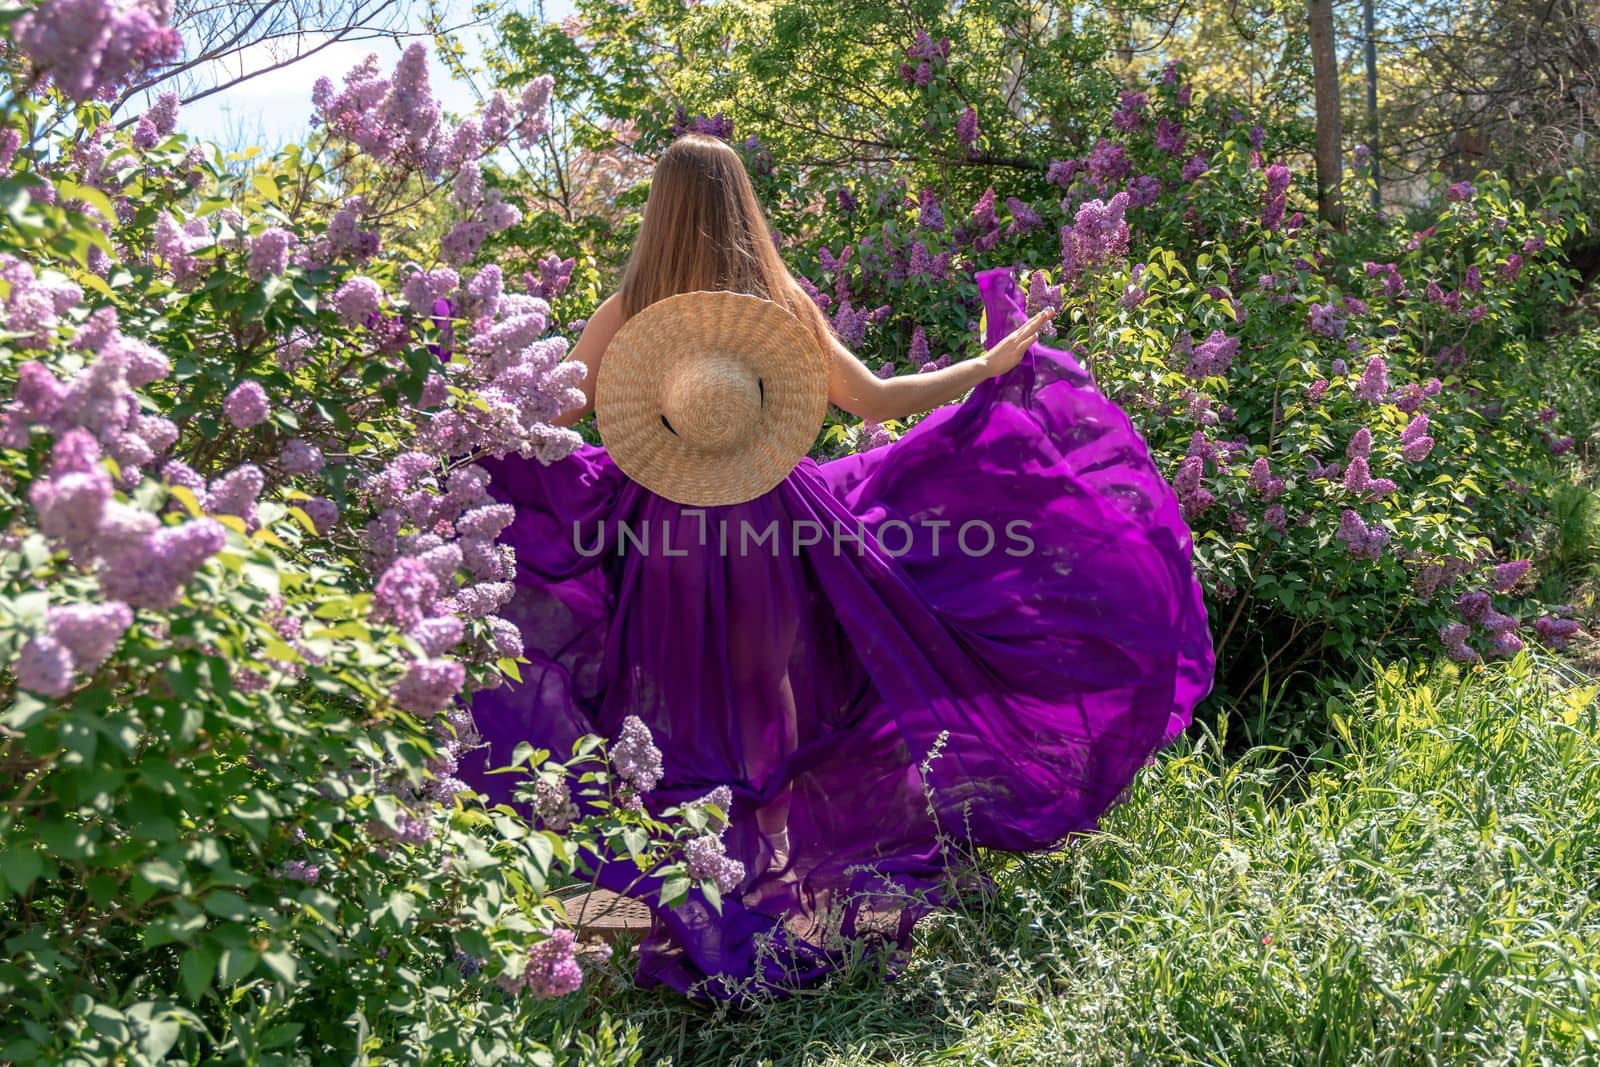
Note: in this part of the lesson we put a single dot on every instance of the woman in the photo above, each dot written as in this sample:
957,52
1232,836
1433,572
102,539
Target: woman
867,709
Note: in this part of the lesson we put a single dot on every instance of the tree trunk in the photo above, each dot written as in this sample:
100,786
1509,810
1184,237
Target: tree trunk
1325,73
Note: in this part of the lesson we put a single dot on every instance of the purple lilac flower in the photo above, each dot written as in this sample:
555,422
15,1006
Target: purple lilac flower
428,685
1144,190
1458,192
1061,172
1473,605
552,969
236,492
269,254
247,405
1108,163
1195,167
1170,136
1326,320
846,201
1262,480
151,570
708,860
553,804
931,215
1277,177
44,666
426,288
1192,497
10,141
1023,218
300,871
1213,356
406,593
357,300
87,48
1130,114
967,129
89,632
1511,268
300,457
1099,234
1361,541
1374,385
1555,632
635,756
1507,575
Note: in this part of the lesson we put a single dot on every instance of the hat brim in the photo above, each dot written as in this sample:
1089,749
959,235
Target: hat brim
760,333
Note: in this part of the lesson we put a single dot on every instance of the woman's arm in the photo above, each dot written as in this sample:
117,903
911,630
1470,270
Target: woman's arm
854,388
597,334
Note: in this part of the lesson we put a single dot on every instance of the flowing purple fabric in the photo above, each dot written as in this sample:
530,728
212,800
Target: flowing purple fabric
1039,674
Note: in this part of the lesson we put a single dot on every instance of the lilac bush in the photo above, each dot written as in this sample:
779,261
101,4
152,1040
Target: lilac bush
250,575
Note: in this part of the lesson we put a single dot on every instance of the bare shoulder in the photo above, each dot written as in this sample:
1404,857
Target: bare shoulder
599,330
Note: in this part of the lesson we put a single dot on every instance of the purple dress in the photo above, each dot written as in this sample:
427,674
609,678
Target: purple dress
1040,657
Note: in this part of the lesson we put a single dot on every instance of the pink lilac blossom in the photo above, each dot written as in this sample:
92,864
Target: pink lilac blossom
358,299
88,48
269,254
44,666
708,860
552,968
406,593
1262,481
152,569
1213,356
1277,196
90,632
1170,137
428,685
1361,541
1374,384
635,756
1555,632
1507,575
967,129
247,405
1108,163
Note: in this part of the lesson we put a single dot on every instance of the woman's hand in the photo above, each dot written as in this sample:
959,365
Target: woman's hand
1014,345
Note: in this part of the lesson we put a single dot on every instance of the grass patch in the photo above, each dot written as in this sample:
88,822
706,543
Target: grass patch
1426,894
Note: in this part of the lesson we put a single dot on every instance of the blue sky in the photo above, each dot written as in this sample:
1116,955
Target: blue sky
273,109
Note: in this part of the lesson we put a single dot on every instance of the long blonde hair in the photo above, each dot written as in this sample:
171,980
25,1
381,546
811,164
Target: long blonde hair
704,228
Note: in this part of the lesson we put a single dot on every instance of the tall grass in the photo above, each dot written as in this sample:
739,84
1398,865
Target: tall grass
1423,892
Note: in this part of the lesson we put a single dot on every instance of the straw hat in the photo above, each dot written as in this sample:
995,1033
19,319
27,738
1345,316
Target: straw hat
711,397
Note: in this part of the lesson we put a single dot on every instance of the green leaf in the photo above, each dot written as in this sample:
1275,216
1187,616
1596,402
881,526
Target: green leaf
196,969
20,868
236,963
282,964
161,874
